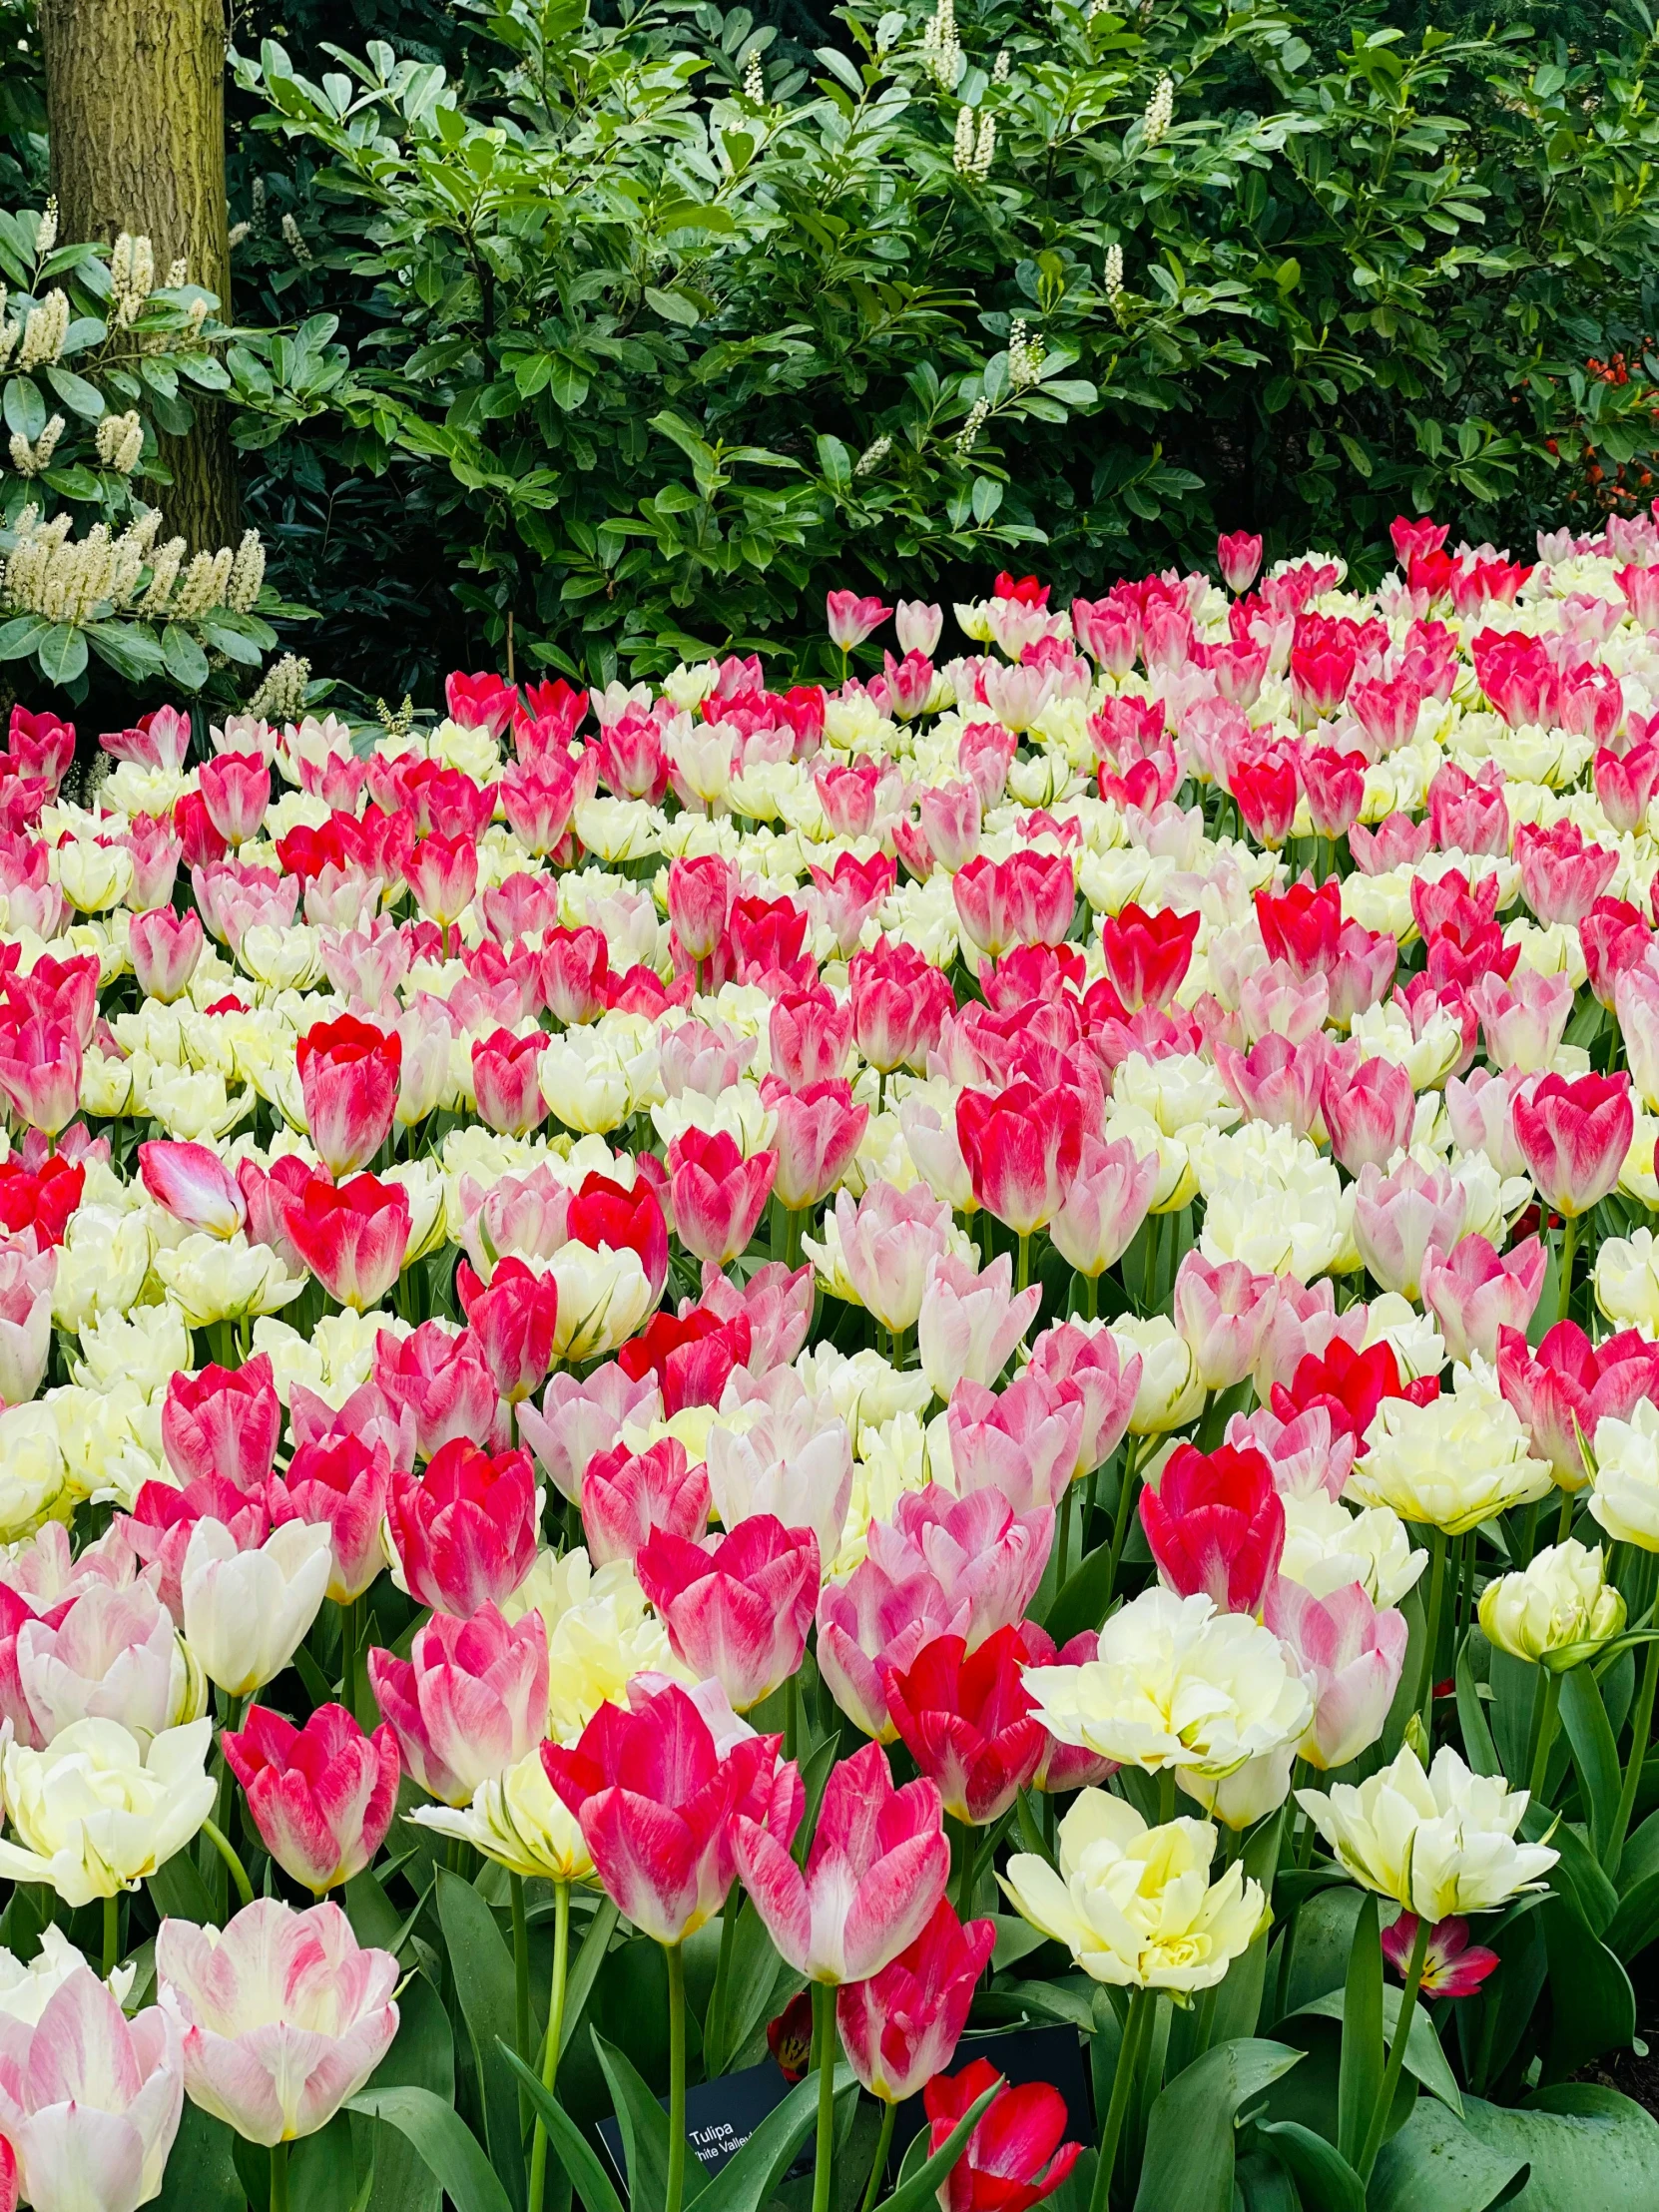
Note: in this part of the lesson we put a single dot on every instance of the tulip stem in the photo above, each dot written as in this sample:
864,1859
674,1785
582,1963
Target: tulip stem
228,1852
1436,1594
1396,2050
1126,1507
1091,1297
1546,1733
1063,1555
555,2037
884,2144
1123,2083
792,1717
112,1935
713,2025
967,1871
1569,1248
1563,1527
1166,1796
1023,1274
675,2079
278,2177
1641,1728
824,2018
521,1983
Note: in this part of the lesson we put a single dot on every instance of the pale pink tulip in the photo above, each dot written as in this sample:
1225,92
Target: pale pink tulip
1477,1292
576,1420
165,948
89,2100
468,1702
1079,1367
1368,1113
888,1239
792,1461
1224,1312
27,1277
1351,1656
1397,1217
115,1655
284,2014
1105,1205
1022,1444
192,1184
1524,1019
969,1321
1305,1455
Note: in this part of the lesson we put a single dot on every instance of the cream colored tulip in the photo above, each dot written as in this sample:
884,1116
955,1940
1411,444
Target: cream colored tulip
1559,1610
1176,1685
1625,1497
1452,1464
96,1812
1627,1282
1439,1842
519,1820
1134,1905
1171,1392
213,1278
247,1612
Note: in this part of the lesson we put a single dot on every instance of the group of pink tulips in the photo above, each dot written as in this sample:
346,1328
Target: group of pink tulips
692,1370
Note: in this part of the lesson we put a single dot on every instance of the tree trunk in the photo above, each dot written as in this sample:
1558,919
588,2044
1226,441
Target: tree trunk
135,95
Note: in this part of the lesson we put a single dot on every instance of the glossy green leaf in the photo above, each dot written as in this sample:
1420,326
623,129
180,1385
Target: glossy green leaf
482,1965
1360,2082
1189,2141
445,2143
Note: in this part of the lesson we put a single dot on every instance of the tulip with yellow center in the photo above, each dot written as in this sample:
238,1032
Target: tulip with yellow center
96,1811
519,1820
1452,1464
1134,1905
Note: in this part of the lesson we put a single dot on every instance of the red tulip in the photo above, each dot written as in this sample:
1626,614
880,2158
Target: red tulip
606,1215
737,1607
1301,926
809,1033
692,1355
223,1421
514,1320
350,1073
464,1533
968,1722
876,1869
1014,2157
1216,1525
1147,956
1574,1137
627,1497
1023,1149
902,2026
344,1484
353,1235
323,1796
574,978
1351,1386
1262,778
657,1803
716,1193
1566,1389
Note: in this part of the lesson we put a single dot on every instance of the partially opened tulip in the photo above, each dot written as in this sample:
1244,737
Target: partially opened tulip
1557,1611
343,1486
1478,1293
463,1535
900,2026
1216,1524
223,1421
114,1655
245,1612
1452,1966
283,2015
349,1074
519,1820
1014,2157
969,1723
468,1702
1351,1653
321,1796
353,1235
969,1322
628,1496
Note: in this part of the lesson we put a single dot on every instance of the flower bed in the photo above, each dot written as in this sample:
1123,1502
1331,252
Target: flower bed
946,1390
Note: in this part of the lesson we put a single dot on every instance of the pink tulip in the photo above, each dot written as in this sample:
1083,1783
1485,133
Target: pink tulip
851,619
776,1304
223,1421
1350,1655
1477,1292
819,1131
342,1483
112,1655
513,1321
506,1081
1397,1217
469,1701
1561,876
627,1497
164,1519
284,2016
1216,1524
1452,1966
579,1420
876,1869
1565,1389
443,1378
1104,1205
1224,1313
1027,899
888,1239
900,1005
40,1072
443,875
1238,556
1023,1444
1479,1112
1524,1019
1276,1001
902,2026
792,1460
810,1035
736,1608
165,949
1397,841
89,2100
1024,1149
1368,1113
1625,786
1307,1456
968,1721
656,1797
353,1235
1276,1081
718,1195
323,1796
1014,2157
952,816
236,789
464,1532
27,1278
1574,1137
1077,1368
192,1184
977,1550
969,1322
1467,814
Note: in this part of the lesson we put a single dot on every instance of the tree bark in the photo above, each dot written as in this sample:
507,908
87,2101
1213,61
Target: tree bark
135,95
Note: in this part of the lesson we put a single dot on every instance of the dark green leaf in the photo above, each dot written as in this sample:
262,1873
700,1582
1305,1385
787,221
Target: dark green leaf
447,2146
1189,2140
